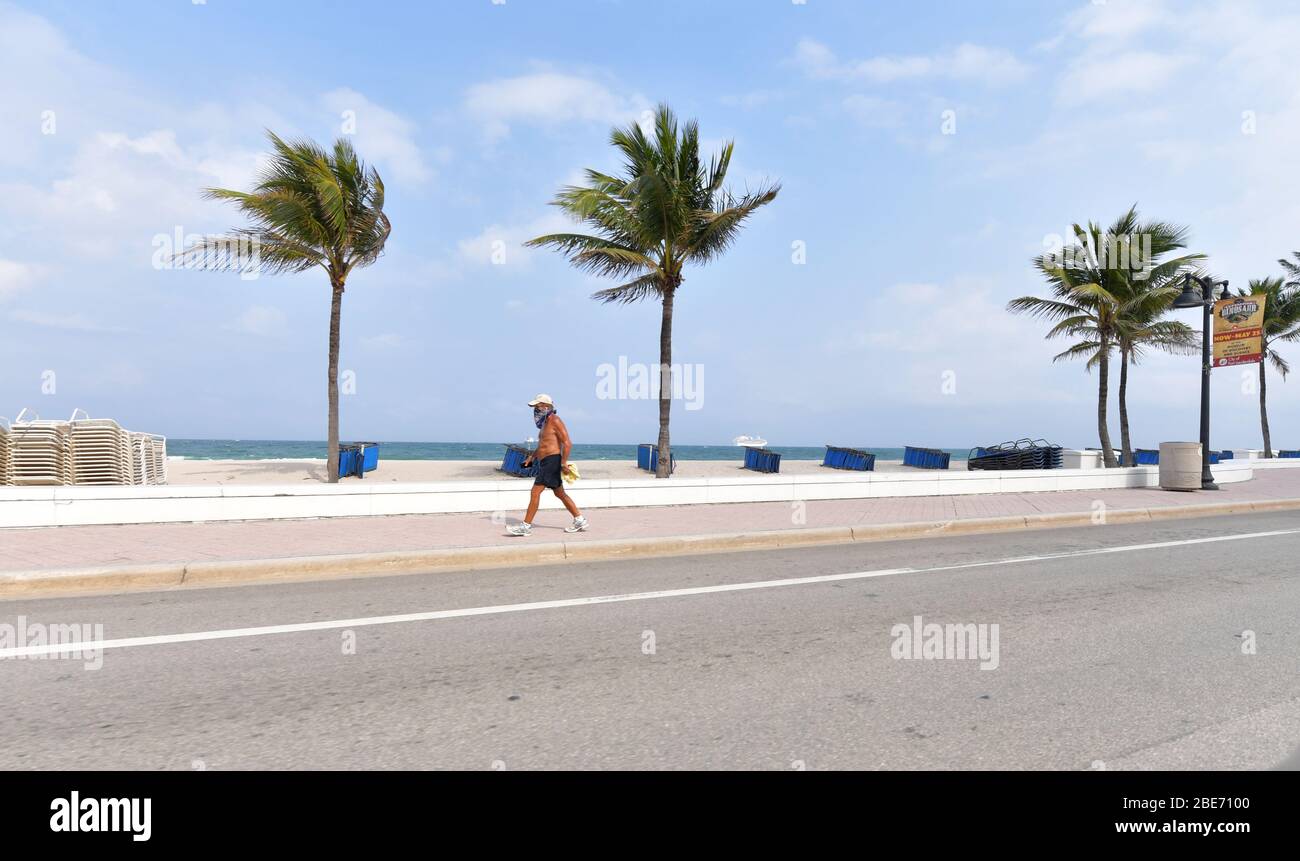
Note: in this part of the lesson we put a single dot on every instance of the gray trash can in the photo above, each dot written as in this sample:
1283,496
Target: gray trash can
1180,465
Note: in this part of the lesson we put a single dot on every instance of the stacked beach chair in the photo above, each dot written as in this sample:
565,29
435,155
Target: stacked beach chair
6,457
148,459
159,459
141,458
101,452
41,452
81,451
1019,454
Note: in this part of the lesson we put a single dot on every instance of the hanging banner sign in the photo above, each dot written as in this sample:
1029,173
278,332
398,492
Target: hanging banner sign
1238,330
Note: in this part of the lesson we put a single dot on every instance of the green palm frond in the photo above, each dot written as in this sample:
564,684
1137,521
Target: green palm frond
715,231
1292,269
595,254
1091,350
667,208
1115,284
633,291
1050,309
310,207
1281,313
1071,326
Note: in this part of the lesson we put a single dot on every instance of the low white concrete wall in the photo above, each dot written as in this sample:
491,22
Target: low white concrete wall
1073,458
67,506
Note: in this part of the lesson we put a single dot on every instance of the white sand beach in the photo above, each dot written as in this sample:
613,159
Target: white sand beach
188,472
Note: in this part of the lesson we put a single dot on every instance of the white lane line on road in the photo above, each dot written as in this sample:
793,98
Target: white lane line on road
367,621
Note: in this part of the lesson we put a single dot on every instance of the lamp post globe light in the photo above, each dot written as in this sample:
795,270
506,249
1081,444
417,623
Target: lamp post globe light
1199,291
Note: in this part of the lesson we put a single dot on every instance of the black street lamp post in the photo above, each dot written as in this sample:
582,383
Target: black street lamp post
1203,295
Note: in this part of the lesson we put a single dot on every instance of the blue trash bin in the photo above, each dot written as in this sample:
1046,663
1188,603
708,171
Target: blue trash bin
647,458
370,457
348,460
513,462
358,458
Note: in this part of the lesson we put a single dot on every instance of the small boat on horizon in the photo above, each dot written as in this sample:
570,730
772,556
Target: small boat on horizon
749,441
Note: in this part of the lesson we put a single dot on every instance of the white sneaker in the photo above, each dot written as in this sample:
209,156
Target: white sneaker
522,530
579,525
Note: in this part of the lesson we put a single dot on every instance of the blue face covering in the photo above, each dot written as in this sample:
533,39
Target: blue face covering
541,414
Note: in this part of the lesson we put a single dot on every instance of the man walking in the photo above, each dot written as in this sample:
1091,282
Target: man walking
552,455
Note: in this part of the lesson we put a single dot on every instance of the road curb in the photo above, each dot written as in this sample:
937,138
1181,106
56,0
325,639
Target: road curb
150,577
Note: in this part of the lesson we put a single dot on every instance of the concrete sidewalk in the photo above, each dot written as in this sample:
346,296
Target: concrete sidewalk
97,547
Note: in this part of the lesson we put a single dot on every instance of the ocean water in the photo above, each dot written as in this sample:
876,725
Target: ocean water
231,449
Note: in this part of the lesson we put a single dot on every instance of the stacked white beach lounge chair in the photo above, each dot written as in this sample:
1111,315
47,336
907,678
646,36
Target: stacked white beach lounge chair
101,451
81,451
6,456
40,452
148,459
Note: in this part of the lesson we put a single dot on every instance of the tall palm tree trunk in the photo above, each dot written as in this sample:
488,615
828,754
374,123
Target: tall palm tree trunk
336,313
1263,405
1103,395
663,469
1124,442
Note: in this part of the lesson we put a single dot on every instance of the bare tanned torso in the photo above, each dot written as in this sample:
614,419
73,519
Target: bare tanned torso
554,439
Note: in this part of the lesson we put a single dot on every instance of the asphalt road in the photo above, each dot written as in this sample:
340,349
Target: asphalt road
1109,655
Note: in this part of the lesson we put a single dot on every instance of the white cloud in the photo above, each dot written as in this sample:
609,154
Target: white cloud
1105,75
548,99
381,135
816,60
1118,21
119,192
1218,105
966,62
504,244
45,105
15,276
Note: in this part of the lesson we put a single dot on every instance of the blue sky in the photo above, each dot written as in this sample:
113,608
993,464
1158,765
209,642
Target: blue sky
114,116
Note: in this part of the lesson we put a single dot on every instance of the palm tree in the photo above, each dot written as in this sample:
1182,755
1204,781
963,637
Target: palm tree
1141,329
312,208
1281,323
1086,306
1140,326
1102,298
665,210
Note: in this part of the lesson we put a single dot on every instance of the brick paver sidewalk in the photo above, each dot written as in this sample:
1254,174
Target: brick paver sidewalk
86,546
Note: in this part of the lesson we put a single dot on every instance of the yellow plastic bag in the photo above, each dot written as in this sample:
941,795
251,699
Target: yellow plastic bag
570,474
